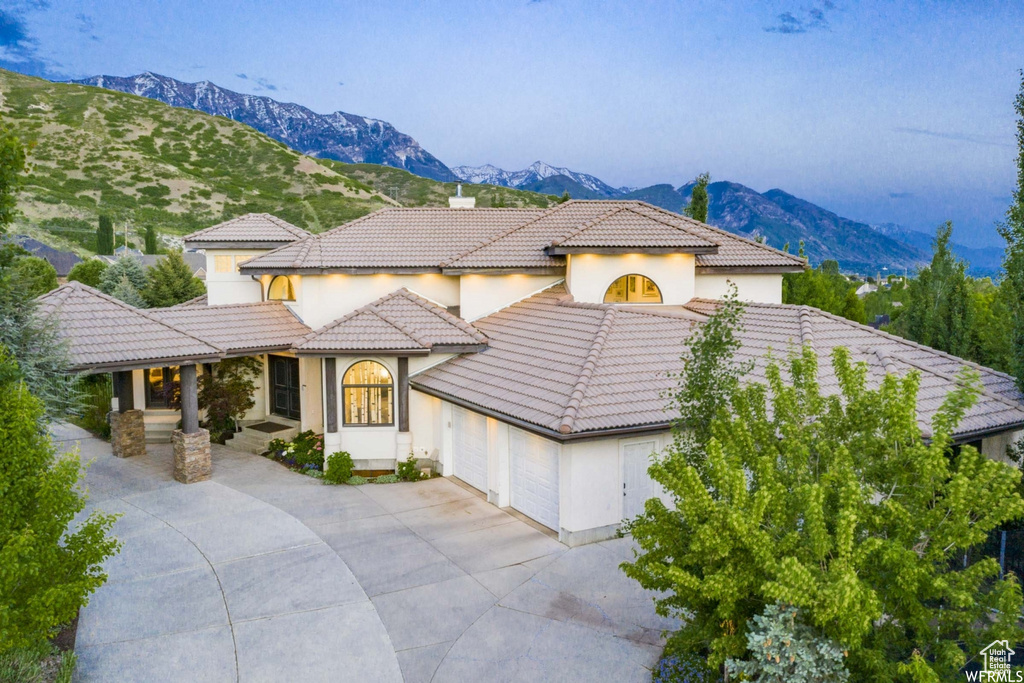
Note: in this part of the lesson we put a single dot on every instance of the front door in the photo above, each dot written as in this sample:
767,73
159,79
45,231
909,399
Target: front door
284,385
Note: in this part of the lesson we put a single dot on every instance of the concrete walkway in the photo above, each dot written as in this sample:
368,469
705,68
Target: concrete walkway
267,575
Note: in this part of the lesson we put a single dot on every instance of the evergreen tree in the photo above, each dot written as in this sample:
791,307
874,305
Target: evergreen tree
151,242
47,570
171,282
851,517
12,165
34,276
127,292
88,272
125,267
565,197
105,236
697,209
1013,259
823,287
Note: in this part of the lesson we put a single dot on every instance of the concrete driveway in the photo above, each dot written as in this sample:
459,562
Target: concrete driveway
262,574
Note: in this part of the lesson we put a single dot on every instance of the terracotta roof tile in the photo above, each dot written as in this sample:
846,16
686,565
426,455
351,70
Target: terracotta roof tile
252,227
626,227
236,328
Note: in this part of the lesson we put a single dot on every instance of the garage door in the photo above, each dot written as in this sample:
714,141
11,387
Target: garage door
534,464
469,440
637,485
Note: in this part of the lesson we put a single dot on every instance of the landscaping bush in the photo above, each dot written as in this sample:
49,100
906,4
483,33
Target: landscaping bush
225,393
407,470
96,395
339,468
38,664
684,668
356,480
308,449
386,479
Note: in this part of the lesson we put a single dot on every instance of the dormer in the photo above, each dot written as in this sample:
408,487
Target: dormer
629,256
231,243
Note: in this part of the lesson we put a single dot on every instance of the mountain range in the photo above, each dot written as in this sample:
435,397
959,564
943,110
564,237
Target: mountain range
540,177
340,136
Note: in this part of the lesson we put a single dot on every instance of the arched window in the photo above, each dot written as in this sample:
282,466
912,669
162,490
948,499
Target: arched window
633,289
367,390
281,289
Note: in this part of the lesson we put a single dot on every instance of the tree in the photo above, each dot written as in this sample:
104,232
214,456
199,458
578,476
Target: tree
939,311
12,165
125,267
125,291
151,241
47,571
88,272
851,517
823,287
105,236
1012,231
226,393
564,198
697,209
171,282
35,276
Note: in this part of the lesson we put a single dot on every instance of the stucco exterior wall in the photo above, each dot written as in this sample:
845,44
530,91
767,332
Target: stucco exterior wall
321,299
231,287
995,446
481,295
763,289
588,276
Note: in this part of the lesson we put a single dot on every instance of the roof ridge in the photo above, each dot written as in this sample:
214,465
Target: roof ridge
398,325
304,241
884,358
279,222
450,318
591,223
501,235
806,328
586,372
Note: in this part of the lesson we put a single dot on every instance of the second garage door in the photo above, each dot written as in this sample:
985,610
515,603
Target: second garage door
534,464
469,441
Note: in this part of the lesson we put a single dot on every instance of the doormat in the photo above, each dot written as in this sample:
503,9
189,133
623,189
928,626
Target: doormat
268,427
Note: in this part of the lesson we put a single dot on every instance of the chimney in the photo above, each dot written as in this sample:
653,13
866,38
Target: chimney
460,202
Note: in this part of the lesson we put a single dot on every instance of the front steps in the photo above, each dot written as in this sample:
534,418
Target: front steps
255,438
159,424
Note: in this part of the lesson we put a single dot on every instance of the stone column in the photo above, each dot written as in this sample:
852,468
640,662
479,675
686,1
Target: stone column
191,444
127,433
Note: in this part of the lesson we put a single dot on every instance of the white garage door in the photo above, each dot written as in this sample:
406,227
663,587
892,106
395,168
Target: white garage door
469,438
534,464
637,485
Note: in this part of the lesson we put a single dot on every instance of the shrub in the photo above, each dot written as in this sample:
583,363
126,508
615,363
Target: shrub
226,392
96,395
407,470
276,447
386,479
339,468
782,650
307,448
356,480
687,667
89,272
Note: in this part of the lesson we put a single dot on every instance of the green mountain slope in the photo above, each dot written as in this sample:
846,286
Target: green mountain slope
144,163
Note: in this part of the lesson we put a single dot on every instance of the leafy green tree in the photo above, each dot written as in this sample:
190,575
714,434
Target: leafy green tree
226,393
105,236
697,209
939,311
565,197
125,267
851,516
88,272
1013,258
125,291
150,241
171,282
35,275
47,571
825,288
12,165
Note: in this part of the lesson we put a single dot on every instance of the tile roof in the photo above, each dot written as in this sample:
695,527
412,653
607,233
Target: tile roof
252,227
571,368
103,332
201,300
236,328
400,321
509,238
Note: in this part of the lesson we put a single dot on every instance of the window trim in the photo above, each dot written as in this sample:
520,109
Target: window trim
291,287
661,297
390,386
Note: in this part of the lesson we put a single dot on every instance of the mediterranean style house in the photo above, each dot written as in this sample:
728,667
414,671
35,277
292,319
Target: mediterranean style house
525,352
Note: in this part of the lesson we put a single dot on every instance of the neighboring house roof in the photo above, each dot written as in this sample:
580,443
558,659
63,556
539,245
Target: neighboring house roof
259,229
237,328
456,240
572,370
103,332
400,321
194,260
62,261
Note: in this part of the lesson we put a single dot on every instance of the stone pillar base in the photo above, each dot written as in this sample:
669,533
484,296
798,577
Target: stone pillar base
127,433
191,456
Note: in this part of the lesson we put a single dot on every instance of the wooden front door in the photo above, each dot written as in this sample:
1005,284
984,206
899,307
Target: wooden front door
284,387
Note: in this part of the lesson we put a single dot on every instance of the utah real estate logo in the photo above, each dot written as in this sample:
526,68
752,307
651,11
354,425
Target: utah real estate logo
996,656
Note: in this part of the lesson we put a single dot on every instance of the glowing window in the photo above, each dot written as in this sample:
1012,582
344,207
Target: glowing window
223,264
633,289
367,390
281,289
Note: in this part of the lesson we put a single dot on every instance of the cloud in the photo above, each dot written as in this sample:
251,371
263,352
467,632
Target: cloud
814,18
86,25
900,195
18,47
959,137
258,82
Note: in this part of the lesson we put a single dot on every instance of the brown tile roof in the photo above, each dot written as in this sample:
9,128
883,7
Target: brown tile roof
509,238
400,321
571,368
252,227
237,328
103,332
200,300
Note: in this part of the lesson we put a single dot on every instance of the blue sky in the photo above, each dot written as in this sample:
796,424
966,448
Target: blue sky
880,111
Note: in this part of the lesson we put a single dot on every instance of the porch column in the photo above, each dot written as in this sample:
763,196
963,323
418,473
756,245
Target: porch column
330,396
191,444
127,426
404,439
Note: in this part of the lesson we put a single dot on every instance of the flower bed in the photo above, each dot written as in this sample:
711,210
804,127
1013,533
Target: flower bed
305,454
